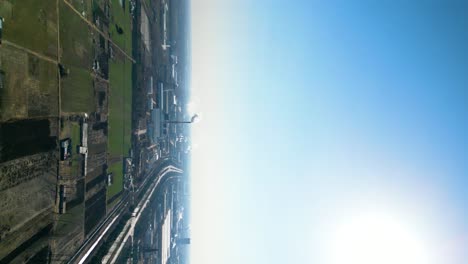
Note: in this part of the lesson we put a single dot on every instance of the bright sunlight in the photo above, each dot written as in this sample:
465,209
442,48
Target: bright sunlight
373,238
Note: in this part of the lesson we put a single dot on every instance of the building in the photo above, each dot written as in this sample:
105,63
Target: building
84,146
167,98
150,86
183,241
166,238
150,104
83,150
84,134
140,132
160,95
110,179
128,166
65,149
154,129
1,28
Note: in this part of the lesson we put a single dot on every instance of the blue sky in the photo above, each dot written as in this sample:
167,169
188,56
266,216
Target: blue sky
316,111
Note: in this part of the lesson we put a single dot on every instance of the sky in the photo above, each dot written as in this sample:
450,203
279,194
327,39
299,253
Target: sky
322,119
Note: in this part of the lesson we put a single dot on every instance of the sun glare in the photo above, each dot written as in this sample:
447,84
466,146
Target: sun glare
378,239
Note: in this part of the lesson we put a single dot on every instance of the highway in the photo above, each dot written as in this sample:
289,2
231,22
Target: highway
106,223
162,169
127,233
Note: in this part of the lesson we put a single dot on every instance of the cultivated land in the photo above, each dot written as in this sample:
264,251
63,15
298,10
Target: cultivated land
30,85
117,185
77,91
120,119
120,17
76,55
39,38
120,108
32,24
120,98
28,127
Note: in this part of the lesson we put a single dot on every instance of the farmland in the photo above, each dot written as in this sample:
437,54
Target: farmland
120,97
119,119
121,18
61,78
32,24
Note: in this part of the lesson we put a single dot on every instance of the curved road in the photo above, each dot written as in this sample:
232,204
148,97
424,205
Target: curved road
162,171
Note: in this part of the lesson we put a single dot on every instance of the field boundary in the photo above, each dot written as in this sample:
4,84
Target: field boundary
37,54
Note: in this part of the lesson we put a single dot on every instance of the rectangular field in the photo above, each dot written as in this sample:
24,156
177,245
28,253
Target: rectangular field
120,119
75,39
120,107
121,18
29,85
31,24
117,185
77,91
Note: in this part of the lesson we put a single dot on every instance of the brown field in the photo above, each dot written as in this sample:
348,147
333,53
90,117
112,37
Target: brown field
29,86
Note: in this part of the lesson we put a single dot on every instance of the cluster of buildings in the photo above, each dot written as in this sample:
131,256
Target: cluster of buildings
66,153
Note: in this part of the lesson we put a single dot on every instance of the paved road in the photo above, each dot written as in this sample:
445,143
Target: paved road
112,255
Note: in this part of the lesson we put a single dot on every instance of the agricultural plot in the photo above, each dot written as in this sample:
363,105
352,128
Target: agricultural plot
68,233
120,27
120,107
28,85
27,197
70,221
46,42
29,102
31,24
77,89
120,119
71,130
75,39
117,185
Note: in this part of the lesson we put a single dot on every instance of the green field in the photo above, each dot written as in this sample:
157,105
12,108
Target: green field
120,96
30,83
120,118
77,89
31,24
122,18
117,185
75,39
120,107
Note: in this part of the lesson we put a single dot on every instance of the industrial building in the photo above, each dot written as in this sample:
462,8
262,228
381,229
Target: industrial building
166,238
